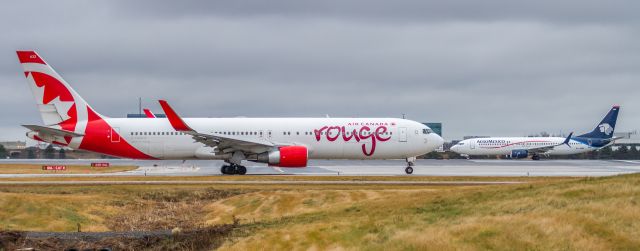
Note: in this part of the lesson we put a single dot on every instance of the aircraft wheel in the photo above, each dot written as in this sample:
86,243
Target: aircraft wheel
535,157
408,170
241,170
226,169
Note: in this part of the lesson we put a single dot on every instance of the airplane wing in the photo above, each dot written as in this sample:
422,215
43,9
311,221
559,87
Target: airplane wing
149,114
52,131
544,149
615,138
223,143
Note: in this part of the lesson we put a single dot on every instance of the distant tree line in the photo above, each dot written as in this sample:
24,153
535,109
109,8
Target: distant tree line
3,152
49,152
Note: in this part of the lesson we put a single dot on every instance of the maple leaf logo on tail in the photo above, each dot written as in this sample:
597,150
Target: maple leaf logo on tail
59,105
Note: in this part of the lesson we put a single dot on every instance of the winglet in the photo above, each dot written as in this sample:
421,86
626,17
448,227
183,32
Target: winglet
149,113
566,141
175,120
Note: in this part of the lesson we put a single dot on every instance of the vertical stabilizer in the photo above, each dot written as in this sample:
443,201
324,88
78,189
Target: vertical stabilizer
605,129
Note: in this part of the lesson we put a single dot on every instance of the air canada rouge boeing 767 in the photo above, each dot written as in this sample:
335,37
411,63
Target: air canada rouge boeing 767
280,142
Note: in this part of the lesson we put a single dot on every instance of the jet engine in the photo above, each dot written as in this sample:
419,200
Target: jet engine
286,156
519,153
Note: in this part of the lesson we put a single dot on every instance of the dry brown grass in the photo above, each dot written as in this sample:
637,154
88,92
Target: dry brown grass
71,169
586,214
547,214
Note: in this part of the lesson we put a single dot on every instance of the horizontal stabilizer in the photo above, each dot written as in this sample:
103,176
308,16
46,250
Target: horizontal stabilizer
53,131
566,141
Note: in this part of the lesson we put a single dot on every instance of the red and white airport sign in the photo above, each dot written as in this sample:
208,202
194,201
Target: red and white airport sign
100,164
54,168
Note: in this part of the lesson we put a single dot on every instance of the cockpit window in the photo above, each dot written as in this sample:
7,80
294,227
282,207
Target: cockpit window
426,131
461,144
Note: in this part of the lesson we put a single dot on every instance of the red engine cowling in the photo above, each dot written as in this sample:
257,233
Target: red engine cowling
286,156
293,156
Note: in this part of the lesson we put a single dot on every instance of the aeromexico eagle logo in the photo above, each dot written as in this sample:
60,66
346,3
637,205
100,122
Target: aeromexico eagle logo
605,128
364,134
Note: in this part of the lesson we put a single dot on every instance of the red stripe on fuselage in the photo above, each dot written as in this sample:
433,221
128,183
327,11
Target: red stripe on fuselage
97,138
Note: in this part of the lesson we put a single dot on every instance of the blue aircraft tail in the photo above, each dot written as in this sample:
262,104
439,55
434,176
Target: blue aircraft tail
604,130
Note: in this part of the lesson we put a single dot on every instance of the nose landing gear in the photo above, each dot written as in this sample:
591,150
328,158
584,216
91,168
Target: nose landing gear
408,170
410,163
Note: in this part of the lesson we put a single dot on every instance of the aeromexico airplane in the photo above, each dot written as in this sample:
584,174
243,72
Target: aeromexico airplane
522,147
280,142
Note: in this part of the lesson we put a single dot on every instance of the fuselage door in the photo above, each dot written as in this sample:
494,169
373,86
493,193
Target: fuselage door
472,144
402,132
115,135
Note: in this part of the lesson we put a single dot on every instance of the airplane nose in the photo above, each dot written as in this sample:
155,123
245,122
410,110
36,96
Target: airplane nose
454,148
434,141
440,141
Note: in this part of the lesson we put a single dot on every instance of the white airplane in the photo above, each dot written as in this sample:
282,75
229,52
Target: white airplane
280,142
522,147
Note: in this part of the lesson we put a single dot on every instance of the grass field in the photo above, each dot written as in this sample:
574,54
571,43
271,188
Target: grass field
543,214
37,169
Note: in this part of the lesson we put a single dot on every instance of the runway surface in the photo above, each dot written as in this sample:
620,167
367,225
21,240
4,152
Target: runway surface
264,182
472,167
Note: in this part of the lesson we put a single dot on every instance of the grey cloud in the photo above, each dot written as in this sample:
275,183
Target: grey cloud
402,10
492,68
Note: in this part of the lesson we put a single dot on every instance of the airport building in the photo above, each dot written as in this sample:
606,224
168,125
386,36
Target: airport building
628,139
14,145
142,115
436,127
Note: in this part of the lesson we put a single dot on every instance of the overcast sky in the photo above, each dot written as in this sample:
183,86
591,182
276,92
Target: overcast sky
500,68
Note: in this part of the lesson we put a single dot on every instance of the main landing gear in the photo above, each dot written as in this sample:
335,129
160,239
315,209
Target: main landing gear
410,162
535,157
233,169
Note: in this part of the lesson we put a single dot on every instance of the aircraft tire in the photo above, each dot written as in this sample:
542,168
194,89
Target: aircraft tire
408,170
230,170
242,170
